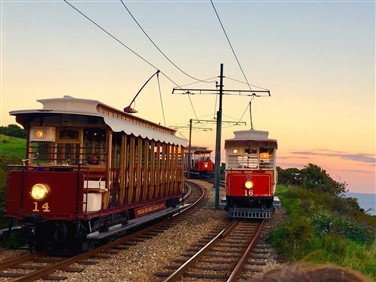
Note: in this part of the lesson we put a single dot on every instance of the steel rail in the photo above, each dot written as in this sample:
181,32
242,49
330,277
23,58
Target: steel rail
176,275
244,258
64,263
14,261
52,268
195,202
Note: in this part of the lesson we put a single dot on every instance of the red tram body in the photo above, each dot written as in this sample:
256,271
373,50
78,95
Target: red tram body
251,174
98,171
201,166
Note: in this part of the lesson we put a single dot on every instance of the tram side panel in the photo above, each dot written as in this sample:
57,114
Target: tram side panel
63,198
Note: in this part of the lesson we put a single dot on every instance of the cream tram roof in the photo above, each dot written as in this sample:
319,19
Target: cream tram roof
251,136
198,150
117,120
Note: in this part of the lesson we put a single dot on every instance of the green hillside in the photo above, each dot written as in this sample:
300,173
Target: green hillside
12,146
12,151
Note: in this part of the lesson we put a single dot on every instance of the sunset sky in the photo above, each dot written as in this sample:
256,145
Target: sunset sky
316,57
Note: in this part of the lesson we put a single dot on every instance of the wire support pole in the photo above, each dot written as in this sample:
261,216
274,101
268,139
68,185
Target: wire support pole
189,149
218,141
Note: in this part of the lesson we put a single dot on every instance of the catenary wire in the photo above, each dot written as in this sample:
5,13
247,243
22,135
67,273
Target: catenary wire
195,82
228,40
233,79
112,36
160,51
237,60
124,45
160,95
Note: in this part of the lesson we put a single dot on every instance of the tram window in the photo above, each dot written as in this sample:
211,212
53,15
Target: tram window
116,147
45,152
266,158
234,161
68,153
265,154
68,134
95,144
250,151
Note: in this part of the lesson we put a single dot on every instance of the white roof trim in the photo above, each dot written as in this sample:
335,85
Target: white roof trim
74,106
130,128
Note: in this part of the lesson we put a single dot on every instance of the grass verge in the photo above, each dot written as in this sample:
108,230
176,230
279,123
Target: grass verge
326,229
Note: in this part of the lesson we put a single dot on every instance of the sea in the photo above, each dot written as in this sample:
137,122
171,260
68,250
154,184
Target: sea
366,201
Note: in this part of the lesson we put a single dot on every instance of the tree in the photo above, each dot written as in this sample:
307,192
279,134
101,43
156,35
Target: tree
314,177
289,176
311,177
13,130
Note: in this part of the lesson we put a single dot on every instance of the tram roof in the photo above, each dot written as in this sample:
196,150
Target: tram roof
198,150
251,136
117,120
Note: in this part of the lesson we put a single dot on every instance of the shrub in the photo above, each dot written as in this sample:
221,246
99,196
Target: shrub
294,238
324,228
327,223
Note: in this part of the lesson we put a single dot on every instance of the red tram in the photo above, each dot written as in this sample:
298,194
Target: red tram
251,174
201,165
91,172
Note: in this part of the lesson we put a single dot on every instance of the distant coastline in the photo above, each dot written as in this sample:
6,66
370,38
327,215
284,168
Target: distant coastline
366,201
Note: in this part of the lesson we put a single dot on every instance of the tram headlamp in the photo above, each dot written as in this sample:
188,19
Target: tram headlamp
248,184
39,191
206,165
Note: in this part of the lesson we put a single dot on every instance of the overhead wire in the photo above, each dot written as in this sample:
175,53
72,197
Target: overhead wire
160,95
164,55
233,79
241,69
246,108
229,42
124,45
195,82
249,105
112,36
160,51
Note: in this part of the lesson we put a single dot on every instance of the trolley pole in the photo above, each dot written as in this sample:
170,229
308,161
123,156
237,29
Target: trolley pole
218,141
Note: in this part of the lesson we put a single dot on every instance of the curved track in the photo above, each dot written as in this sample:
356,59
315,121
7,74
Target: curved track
33,266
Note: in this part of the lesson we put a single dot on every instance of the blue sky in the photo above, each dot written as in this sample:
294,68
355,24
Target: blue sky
316,57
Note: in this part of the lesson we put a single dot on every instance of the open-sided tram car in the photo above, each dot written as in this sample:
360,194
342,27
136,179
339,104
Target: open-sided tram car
91,172
251,174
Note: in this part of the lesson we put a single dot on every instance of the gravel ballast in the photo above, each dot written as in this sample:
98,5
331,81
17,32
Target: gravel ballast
140,262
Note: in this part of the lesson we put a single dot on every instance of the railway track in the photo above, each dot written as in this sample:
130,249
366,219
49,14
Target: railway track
229,255
33,266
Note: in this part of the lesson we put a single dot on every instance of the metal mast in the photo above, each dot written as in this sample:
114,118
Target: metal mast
218,141
252,93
